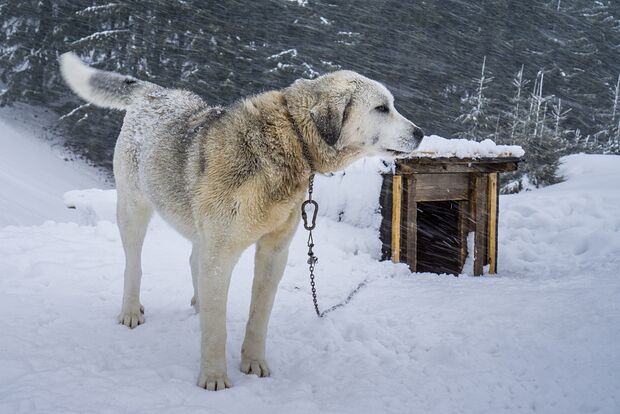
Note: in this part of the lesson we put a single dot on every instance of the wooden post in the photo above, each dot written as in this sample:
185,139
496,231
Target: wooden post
480,201
492,196
397,190
412,224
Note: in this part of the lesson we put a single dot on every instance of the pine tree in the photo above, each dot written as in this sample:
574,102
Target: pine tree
540,131
559,116
610,134
476,119
517,117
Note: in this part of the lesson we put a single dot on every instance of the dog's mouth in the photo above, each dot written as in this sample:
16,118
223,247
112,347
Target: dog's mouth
397,153
410,146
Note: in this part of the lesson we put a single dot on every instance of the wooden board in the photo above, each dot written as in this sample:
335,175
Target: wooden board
385,229
412,219
456,165
443,187
397,186
492,196
480,217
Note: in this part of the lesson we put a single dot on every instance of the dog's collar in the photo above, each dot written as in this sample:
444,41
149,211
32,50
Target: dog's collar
305,150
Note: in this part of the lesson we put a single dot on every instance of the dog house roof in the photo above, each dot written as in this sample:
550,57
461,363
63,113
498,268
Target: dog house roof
437,147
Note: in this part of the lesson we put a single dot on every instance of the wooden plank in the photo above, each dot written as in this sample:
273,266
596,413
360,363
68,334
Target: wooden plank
397,186
456,165
403,221
442,187
492,197
455,168
471,218
385,229
456,160
480,195
412,224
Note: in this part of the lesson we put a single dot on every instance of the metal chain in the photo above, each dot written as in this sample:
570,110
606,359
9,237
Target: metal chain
313,259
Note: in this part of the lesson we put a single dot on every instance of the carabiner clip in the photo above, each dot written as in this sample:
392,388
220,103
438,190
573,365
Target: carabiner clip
304,215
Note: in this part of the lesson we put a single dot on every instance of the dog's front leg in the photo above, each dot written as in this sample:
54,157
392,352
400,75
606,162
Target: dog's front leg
217,260
270,261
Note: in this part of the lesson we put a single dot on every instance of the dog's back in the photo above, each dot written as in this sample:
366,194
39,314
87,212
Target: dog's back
157,139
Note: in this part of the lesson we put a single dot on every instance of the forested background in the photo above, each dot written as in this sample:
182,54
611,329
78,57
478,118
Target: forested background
544,74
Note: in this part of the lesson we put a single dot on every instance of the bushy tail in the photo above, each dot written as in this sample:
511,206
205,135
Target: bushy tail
106,89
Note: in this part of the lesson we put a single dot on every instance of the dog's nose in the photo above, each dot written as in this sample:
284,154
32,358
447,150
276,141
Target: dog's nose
418,133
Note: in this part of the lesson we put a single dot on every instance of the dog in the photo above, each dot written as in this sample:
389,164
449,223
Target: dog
229,177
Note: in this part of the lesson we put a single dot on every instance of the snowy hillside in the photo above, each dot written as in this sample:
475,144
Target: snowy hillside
34,177
542,336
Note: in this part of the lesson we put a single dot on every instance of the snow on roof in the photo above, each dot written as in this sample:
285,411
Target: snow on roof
437,147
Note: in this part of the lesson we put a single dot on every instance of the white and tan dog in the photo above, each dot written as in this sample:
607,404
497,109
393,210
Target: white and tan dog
227,178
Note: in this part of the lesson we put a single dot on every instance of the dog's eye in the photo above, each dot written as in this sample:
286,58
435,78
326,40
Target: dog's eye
383,109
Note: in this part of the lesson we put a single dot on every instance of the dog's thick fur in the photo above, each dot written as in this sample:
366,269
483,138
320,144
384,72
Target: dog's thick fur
229,177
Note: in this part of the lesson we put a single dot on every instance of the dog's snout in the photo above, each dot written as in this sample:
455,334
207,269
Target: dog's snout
418,133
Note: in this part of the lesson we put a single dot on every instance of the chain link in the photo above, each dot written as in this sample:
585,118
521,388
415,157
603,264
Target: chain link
313,259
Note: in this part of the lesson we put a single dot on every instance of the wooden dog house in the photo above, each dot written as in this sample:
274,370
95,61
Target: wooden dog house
430,205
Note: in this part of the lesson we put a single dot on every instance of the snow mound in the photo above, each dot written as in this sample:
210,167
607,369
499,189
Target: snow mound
92,205
587,167
352,195
575,224
437,147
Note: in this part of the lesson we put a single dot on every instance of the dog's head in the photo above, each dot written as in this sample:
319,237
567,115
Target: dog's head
351,111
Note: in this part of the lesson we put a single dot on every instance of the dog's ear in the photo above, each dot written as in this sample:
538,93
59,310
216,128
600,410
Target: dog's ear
328,116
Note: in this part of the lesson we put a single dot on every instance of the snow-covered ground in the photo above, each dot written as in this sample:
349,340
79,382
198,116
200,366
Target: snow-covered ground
542,336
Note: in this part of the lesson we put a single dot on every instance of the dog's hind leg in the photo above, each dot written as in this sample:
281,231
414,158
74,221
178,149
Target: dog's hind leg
133,214
270,261
194,262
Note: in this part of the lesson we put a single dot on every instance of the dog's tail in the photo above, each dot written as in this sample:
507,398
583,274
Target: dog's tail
105,89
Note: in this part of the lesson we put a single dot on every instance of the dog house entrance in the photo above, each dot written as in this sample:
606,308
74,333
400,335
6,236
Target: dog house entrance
438,246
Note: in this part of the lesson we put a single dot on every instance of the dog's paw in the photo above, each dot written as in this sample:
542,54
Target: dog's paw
214,382
194,303
131,316
255,366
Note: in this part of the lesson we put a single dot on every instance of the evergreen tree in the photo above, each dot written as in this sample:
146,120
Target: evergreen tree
517,116
608,138
476,119
536,124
